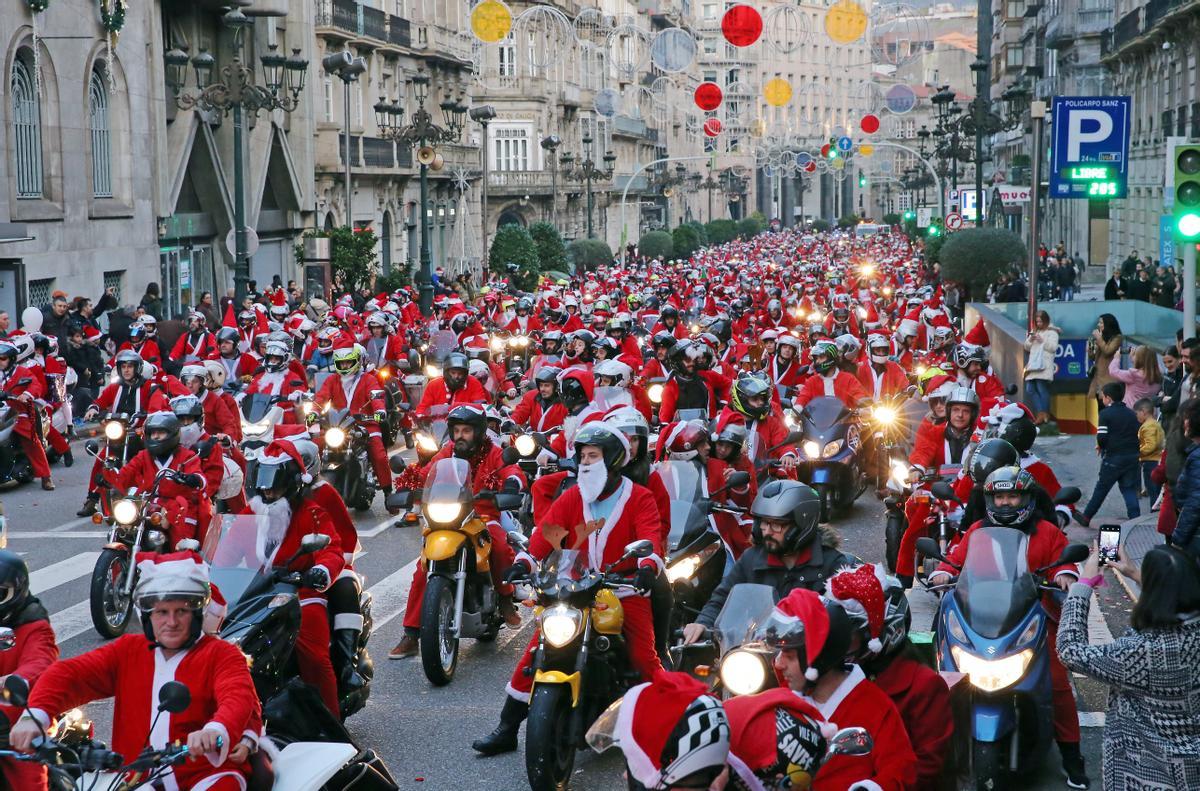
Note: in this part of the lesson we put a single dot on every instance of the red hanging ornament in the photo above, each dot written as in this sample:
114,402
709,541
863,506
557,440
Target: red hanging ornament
869,124
742,25
708,96
712,127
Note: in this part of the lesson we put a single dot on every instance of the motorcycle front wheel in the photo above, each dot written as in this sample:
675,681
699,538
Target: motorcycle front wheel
988,765
893,532
110,608
549,754
826,498
439,648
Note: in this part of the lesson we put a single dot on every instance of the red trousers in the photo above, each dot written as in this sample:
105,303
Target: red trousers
500,559
23,775
735,534
379,457
639,636
57,441
32,447
1066,715
312,652
917,512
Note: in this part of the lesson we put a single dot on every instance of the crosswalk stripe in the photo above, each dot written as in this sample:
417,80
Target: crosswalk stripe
390,594
16,535
62,572
72,622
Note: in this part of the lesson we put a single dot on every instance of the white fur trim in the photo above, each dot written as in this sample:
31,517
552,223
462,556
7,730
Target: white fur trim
315,600
218,758
830,706
598,540
640,765
866,785
811,674
874,645
212,780
348,620
828,729
515,693
306,478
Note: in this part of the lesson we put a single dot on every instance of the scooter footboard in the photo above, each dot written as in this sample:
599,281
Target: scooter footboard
992,719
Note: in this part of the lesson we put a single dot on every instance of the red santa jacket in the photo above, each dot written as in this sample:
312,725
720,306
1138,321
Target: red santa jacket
634,517
215,672
891,765
249,545
1045,546
231,404
34,651
530,412
653,369
392,350
187,510
148,350
239,367
718,392
281,383
987,387
359,399
200,346
841,385
930,448
212,464
326,497
436,394
923,701
524,325
893,380
572,323
149,397
217,417
764,435
679,330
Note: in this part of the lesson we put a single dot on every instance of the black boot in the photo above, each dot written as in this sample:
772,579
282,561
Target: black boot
1072,761
342,651
89,506
68,458
504,738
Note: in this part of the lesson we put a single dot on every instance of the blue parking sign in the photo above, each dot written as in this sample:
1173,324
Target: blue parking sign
1089,157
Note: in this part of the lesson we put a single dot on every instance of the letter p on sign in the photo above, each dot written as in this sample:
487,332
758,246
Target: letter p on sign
1076,134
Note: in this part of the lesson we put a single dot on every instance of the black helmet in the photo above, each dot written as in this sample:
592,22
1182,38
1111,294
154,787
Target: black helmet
587,336
280,473
1010,479
610,347
787,500
663,338
228,334
735,434
685,349
1020,433
988,456
552,336
751,385
127,356
608,439
524,305
574,395
722,330
457,360
669,311
547,374
161,421
468,415
14,585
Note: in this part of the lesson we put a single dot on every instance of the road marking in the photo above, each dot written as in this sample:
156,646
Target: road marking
379,528
21,534
73,621
62,572
87,520
1092,719
390,594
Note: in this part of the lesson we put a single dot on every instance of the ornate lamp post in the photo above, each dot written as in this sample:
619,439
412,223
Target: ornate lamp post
587,171
283,79
419,133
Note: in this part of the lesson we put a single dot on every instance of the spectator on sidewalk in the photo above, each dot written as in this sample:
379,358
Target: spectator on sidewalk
5,324
1151,441
1142,379
1066,280
1173,373
1152,732
1103,346
54,317
1117,443
1141,286
1042,345
1080,264
1114,287
1187,487
1129,265
207,308
151,302
84,358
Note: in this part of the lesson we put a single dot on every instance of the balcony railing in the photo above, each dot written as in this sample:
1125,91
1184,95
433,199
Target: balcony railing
1127,28
355,151
378,153
399,31
364,21
522,179
374,23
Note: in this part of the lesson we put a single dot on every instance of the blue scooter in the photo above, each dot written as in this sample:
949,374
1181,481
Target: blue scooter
993,629
831,448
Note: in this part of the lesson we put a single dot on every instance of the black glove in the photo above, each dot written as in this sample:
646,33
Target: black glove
519,570
643,580
316,578
195,480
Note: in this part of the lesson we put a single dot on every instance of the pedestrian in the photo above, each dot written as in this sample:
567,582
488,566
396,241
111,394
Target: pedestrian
1080,265
5,324
207,308
54,317
1129,265
1152,731
1103,345
151,302
1042,345
1151,442
84,358
1066,280
1173,373
1142,379
1187,487
1117,443
1114,287
1141,286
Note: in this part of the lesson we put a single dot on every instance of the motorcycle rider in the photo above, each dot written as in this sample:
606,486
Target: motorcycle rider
690,386
354,388
971,370
455,386
1010,502
882,378
275,377
766,432
196,344
657,367
143,340
784,367
668,321
599,516
222,481
218,419
53,371
35,650
237,363
524,323
24,386
541,409
171,596
467,430
790,550
830,380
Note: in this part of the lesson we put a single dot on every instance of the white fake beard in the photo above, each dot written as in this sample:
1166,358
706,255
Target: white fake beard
591,479
190,434
279,517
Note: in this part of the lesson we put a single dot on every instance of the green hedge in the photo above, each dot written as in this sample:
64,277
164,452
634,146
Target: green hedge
513,245
587,254
657,243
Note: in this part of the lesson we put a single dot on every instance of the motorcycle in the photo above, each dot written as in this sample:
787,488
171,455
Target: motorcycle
742,667
890,429
264,609
137,523
580,664
831,446
460,599
14,467
901,490
346,460
993,629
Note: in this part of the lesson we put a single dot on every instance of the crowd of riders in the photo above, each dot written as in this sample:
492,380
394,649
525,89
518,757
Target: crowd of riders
712,361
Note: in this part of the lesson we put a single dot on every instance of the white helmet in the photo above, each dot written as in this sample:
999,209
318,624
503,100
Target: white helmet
616,369
194,369
479,369
848,345
215,378
25,347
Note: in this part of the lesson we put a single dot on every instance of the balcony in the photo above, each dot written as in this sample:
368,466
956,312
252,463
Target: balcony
1074,22
378,153
570,96
1127,29
440,42
374,152
355,150
522,182
343,20
629,127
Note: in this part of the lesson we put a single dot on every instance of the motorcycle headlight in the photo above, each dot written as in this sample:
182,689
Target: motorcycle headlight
496,344
525,444
955,627
427,443
443,513
335,438
684,569
432,371
655,393
125,512
899,472
560,624
743,672
811,449
885,415
991,675
113,430
831,448
256,429
921,369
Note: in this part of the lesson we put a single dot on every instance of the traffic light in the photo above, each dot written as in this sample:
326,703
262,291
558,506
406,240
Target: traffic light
910,215
862,180
1187,191
934,229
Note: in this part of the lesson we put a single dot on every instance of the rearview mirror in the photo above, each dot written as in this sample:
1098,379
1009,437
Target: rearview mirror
738,479
642,548
929,548
16,690
508,501
174,697
850,741
401,500
91,447
943,491
8,638
377,394
397,463
1074,553
313,542
518,541
510,455
1068,495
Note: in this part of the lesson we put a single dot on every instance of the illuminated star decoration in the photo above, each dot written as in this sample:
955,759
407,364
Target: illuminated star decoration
462,179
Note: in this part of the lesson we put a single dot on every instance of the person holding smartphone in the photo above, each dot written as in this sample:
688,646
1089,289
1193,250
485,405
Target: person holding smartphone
1042,345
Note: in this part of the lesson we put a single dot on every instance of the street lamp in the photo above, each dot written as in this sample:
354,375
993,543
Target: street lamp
422,132
550,143
284,78
587,171
346,67
482,115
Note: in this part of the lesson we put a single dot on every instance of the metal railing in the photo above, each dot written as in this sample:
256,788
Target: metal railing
1127,28
521,179
399,31
363,20
374,23
378,152
355,150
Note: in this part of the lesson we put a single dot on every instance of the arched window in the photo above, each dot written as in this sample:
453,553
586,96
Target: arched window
101,136
27,129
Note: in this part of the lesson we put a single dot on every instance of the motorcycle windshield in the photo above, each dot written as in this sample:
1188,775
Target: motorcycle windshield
441,343
995,589
747,605
611,397
257,407
684,486
448,484
688,415
239,550
563,565
821,413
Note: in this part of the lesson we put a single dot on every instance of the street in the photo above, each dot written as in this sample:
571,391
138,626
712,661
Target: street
424,733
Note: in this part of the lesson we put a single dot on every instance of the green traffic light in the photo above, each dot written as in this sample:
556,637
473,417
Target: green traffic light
1188,225
934,230
909,215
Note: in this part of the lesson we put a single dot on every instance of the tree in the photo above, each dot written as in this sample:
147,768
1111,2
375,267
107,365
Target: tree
820,226
847,221
892,218
686,241
721,231
701,231
587,254
749,227
352,256
657,243
976,257
514,255
552,253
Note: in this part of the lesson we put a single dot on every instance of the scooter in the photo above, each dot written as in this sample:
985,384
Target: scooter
831,444
993,628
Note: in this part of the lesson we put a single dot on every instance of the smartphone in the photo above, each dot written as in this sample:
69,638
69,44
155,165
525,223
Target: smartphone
1110,542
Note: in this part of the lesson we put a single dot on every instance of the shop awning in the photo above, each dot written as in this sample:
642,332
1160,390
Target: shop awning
14,232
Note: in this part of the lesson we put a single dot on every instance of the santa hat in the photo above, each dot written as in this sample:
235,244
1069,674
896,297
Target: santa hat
808,608
860,592
939,386
230,320
775,729
941,320
670,728
978,335
278,298
284,449
1004,412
